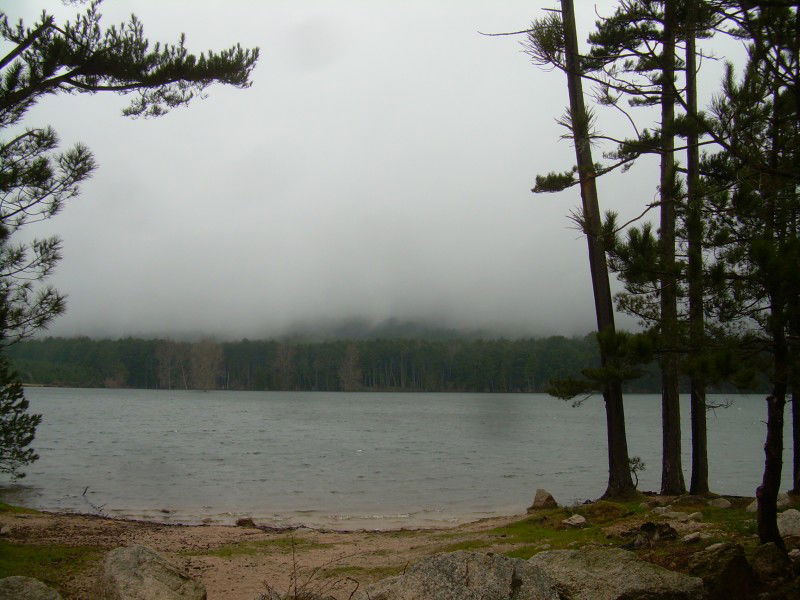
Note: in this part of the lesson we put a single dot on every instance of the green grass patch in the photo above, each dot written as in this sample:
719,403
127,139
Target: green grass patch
544,527
51,564
733,520
282,545
541,529
603,512
8,508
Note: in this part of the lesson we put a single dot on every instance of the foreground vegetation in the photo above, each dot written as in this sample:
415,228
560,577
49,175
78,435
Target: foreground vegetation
322,558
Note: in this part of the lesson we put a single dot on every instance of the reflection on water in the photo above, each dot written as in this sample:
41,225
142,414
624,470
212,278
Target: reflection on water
346,460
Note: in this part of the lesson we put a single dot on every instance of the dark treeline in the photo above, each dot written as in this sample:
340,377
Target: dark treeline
457,365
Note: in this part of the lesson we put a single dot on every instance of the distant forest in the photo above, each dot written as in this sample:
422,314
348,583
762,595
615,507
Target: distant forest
434,365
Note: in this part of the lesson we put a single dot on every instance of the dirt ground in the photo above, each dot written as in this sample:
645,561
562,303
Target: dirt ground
237,563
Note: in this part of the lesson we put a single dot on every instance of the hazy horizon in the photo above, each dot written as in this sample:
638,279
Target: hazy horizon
379,168
331,330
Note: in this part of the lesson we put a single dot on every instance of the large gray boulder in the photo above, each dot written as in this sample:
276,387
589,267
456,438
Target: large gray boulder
614,574
769,563
465,576
26,588
139,573
725,572
789,522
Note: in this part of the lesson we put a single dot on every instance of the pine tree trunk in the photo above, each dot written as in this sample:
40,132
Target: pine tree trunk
672,482
796,442
767,493
694,227
620,482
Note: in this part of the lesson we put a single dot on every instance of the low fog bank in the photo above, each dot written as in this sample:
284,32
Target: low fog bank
319,330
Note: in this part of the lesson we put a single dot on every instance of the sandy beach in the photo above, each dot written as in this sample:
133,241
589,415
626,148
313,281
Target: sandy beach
234,563
66,551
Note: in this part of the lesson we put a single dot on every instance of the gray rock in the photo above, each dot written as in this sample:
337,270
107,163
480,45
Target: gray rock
614,574
661,510
574,521
769,563
543,499
676,516
715,547
649,534
691,538
139,573
696,516
752,507
789,522
720,503
465,576
26,588
725,572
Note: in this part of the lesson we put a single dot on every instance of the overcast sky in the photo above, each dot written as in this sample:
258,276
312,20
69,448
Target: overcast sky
380,166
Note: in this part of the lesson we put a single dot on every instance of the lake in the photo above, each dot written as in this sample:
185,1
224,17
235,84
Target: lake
347,460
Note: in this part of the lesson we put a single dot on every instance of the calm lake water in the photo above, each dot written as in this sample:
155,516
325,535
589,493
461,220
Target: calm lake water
349,460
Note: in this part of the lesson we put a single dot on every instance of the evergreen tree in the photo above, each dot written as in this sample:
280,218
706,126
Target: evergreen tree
80,57
755,216
633,56
17,427
35,180
636,54
694,267
553,41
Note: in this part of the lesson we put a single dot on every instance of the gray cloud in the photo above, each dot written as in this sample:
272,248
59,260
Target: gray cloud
379,167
